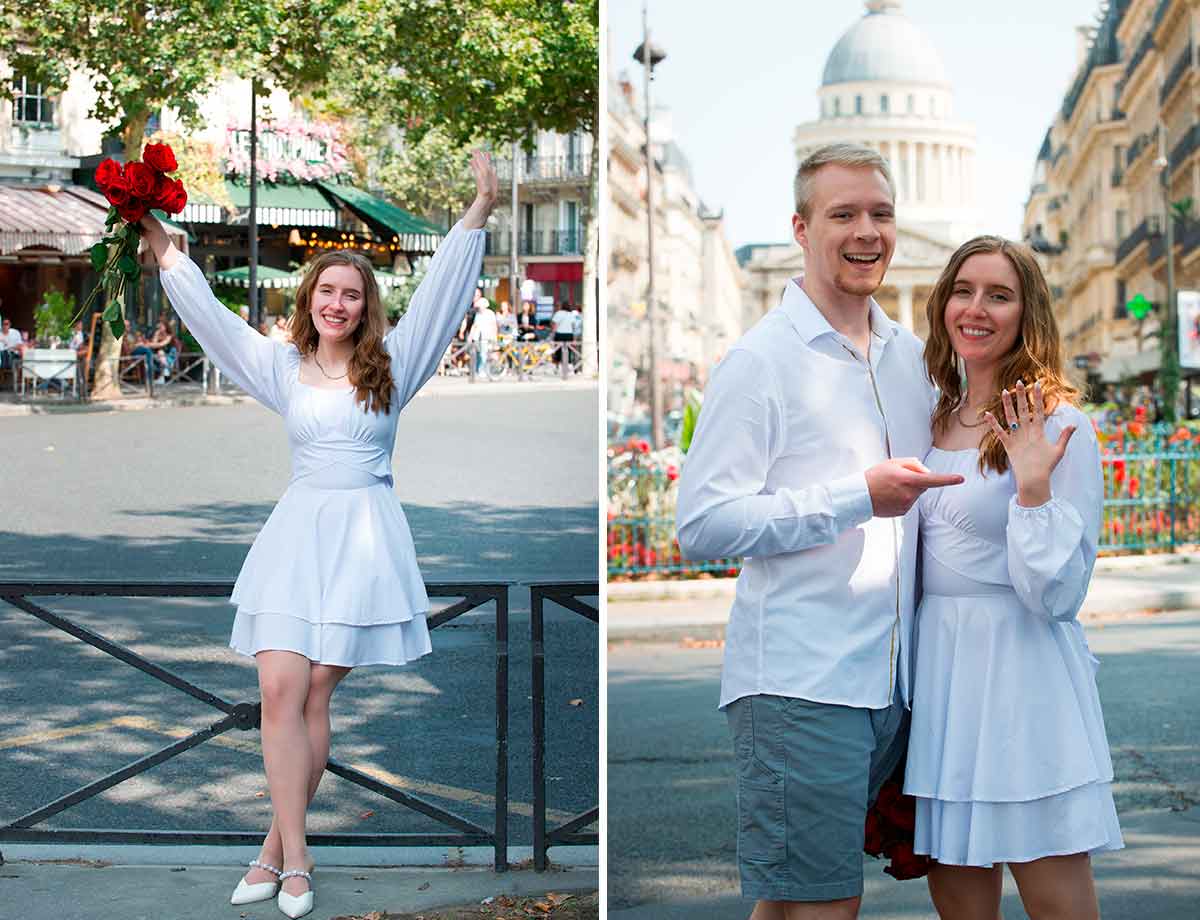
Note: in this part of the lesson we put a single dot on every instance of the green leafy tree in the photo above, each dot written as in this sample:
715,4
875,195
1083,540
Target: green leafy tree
144,56
495,68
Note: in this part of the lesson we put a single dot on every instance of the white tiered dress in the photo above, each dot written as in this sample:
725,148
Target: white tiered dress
1007,754
333,573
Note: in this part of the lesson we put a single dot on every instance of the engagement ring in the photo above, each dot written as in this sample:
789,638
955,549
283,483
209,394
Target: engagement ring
1013,427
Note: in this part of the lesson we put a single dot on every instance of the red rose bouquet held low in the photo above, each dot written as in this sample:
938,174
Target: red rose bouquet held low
889,830
131,191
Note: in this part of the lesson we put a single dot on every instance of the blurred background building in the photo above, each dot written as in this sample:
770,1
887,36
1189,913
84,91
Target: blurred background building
1118,161
698,282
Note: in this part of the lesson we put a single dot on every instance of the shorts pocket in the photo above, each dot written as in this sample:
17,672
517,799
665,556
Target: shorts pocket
762,825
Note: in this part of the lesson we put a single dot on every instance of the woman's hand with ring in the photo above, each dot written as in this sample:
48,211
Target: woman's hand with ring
1031,456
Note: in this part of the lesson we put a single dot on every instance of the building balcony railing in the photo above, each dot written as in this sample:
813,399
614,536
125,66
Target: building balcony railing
1141,233
1187,144
1178,69
536,243
546,169
1143,49
1145,141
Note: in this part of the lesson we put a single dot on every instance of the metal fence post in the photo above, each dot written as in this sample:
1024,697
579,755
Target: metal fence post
1174,467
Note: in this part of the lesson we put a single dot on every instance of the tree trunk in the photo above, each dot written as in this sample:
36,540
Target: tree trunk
591,255
105,385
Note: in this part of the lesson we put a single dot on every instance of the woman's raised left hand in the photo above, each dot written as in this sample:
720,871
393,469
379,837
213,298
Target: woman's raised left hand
1031,456
487,187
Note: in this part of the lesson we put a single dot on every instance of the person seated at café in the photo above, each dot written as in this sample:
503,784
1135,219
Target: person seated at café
12,344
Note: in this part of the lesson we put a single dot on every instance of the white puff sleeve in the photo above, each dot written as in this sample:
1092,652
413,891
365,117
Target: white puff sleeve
260,366
421,337
1052,548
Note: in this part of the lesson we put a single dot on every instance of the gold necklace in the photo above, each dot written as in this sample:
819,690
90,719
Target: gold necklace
322,370
958,414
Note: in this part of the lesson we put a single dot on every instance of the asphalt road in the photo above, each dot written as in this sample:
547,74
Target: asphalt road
671,822
495,487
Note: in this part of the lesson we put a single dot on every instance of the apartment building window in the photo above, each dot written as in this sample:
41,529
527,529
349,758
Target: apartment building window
837,105
912,103
883,103
1120,225
527,234
31,104
858,105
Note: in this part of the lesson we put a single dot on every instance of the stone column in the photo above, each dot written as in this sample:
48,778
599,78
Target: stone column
905,293
911,152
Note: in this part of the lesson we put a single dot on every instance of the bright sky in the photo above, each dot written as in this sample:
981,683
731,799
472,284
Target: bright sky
739,77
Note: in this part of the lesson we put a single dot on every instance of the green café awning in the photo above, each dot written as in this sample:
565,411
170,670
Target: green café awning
295,205
393,224
277,278
267,277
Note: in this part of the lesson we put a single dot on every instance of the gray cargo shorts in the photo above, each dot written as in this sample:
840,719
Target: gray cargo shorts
806,774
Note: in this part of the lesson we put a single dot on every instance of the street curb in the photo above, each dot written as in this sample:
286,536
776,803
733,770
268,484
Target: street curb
432,390
563,857
723,588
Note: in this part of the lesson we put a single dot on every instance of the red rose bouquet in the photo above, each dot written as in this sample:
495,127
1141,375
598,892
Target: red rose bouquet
131,191
889,830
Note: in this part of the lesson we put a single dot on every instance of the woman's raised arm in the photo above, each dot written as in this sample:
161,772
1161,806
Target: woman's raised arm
260,366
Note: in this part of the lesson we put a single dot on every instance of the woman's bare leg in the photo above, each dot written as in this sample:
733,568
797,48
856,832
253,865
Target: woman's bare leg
966,892
323,680
284,679
1057,888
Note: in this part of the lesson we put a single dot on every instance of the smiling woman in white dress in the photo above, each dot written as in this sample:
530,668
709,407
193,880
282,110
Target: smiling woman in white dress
331,582
1007,755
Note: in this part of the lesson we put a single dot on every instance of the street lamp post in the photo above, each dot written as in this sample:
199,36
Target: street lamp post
648,55
514,290
1168,373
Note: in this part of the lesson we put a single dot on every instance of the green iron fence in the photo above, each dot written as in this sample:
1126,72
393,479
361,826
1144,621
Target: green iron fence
1151,502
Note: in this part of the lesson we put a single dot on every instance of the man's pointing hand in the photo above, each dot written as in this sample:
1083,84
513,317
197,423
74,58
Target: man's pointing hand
896,484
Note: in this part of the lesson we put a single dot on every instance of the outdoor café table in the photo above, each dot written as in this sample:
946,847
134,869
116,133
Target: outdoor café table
40,366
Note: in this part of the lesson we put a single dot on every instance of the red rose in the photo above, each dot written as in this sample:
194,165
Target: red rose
672,472
142,180
160,157
106,172
170,196
905,863
873,837
117,191
643,447
133,211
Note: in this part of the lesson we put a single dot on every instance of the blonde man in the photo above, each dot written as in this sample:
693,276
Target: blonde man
805,460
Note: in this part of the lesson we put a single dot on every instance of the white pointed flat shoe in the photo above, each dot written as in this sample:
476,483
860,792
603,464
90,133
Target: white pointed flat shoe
295,905
261,891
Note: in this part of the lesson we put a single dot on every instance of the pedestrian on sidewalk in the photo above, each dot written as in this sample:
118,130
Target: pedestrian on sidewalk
331,582
806,460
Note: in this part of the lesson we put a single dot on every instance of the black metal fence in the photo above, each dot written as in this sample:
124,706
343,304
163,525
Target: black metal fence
566,595
246,715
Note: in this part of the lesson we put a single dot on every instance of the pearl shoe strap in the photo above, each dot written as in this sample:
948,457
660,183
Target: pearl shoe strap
296,873
255,864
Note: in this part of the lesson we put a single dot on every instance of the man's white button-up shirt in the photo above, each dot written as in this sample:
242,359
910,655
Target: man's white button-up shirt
793,417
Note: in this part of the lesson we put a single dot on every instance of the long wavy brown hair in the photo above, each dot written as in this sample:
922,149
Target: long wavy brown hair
1036,354
369,368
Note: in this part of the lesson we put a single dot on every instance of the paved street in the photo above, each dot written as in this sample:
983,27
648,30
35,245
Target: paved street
671,807
496,486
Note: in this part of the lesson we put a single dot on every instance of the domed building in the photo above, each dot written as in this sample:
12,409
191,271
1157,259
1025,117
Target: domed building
884,86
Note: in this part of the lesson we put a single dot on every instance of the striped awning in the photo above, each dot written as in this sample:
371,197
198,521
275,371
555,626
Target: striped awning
393,224
293,205
276,278
61,218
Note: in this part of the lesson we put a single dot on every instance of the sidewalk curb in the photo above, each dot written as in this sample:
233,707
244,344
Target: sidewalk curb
480,857
138,404
723,588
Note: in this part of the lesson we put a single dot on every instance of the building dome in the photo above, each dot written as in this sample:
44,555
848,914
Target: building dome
884,45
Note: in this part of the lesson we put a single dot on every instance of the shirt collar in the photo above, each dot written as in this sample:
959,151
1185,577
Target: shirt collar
811,323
